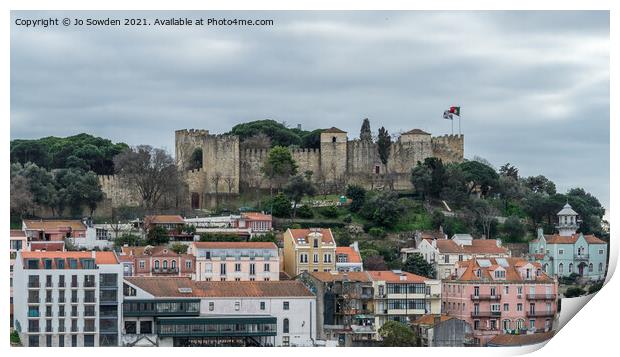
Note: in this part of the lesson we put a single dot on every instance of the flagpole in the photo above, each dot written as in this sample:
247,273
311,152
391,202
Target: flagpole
452,121
459,124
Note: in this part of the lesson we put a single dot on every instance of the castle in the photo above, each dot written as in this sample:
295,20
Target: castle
228,168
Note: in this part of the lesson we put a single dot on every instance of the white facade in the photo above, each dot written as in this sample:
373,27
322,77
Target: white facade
94,238
236,264
45,320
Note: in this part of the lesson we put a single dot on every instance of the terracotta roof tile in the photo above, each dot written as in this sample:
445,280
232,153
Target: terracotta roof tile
391,277
558,239
160,219
478,246
54,224
101,258
352,255
48,246
169,287
520,340
431,319
512,274
257,216
303,234
17,233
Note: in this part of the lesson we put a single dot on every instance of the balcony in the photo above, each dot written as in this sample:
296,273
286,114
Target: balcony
33,299
580,257
540,313
61,284
74,284
174,270
486,297
49,285
74,300
61,299
33,313
74,329
48,329
486,314
48,300
33,285
541,296
89,284
61,329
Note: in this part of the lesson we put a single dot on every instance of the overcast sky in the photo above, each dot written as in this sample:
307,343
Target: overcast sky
533,86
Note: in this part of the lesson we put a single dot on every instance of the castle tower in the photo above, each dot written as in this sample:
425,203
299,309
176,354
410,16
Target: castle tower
333,154
567,221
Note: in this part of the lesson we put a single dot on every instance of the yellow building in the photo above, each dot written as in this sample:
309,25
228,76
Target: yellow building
309,250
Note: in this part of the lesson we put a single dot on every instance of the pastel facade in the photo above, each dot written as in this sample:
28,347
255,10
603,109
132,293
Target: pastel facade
348,259
443,253
156,261
70,299
403,296
570,252
173,224
501,295
308,250
236,261
180,312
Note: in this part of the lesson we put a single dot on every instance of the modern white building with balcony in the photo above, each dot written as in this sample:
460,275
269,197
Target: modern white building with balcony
67,299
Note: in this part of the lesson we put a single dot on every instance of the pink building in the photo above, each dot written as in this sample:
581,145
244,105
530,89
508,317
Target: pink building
53,229
501,295
156,261
254,221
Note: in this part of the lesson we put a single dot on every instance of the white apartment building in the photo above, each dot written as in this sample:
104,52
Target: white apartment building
236,261
67,299
181,312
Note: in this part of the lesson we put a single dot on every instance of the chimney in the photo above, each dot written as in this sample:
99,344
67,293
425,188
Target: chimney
92,254
434,242
498,242
539,232
355,246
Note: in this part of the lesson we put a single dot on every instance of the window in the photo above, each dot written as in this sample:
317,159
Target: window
223,269
316,243
237,305
506,324
165,264
285,326
146,327
73,340
252,269
600,267
476,324
141,264
173,265
33,341
89,340
561,268
506,307
188,264
532,323
61,340
601,251
315,258
446,258
476,291
211,306
156,264
327,258
285,305
130,327
262,305
60,264
591,268
561,251
303,258
237,267
286,340
570,267
266,267
506,289
519,307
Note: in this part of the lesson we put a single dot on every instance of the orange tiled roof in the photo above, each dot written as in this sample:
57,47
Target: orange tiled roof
430,319
160,219
478,246
558,239
169,287
54,224
512,274
100,257
352,255
257,216
235,245
391,277
156,251
303,234
47,245
357,276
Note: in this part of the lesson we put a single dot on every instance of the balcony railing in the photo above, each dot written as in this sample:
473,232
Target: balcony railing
74,329
48,300
33,300
486,314
33,313
74,284
541,296
89,300
61,299
61,329
61,284
48,328
89,284
74,300
582,256
48,284
540,313
165,270
486,297
34,284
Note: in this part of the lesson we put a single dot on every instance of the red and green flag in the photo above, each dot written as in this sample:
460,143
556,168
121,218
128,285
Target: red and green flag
456,111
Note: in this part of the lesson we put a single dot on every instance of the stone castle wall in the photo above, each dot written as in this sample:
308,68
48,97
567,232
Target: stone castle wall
227,169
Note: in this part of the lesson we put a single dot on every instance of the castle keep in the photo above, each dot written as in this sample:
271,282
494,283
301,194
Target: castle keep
227,168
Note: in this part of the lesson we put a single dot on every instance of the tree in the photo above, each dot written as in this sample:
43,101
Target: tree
374,262
479,175
507,170
437,218
267,237
485,213
384,144
41,184
384,209
514,229
21,198
590,210
150,171
297,188
179,248
280,206
365,133
540,184
416,264
357,194
397,334
422,178
76,189
279,166
157,235
130,240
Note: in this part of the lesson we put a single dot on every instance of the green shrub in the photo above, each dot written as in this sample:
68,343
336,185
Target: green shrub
377,232
574,291
347,219
329,212
305,212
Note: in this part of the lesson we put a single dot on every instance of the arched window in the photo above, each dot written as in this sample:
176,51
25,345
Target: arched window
545,267
173,264
591,268
520,324
561,268
157,264
570,267
165,264
506,324
600,267
285,326
333,139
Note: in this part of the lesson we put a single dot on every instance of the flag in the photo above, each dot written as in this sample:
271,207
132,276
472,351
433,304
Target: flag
447,115
456,111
